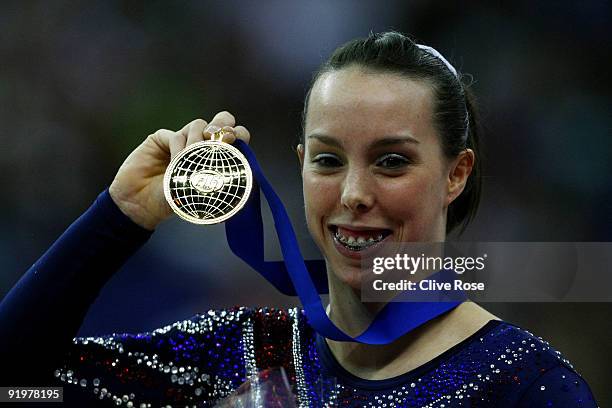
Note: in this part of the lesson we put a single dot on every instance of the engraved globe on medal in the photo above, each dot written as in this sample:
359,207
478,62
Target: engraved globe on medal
208,181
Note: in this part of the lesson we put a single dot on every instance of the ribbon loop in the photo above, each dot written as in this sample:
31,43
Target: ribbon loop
307,279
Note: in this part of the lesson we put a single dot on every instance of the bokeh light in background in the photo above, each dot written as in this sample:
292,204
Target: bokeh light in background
81,86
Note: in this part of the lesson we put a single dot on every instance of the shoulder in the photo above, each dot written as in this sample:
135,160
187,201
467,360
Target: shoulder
200,358
513,344
560,386
173,337
214,327
529,368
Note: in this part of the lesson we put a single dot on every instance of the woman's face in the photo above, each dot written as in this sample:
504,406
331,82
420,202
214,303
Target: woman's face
372,166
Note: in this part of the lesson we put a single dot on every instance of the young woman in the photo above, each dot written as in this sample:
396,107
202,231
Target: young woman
389,153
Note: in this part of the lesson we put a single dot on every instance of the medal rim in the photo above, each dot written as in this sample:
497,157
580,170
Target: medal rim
183,153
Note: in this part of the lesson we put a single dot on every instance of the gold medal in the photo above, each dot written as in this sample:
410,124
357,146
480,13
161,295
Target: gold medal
208,181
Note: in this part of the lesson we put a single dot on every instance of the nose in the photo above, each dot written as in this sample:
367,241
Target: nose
357,194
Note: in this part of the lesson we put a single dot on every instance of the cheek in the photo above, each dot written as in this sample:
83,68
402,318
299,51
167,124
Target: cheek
320,197
413,200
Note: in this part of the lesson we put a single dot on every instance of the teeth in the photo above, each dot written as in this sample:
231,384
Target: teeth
359,241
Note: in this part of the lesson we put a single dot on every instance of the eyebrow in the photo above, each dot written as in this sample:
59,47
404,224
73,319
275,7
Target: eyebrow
385,141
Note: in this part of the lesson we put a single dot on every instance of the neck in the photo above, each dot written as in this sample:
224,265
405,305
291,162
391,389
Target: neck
353,317
407,352
346,309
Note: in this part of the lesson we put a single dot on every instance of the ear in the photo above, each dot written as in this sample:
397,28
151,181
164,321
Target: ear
300,152
459,171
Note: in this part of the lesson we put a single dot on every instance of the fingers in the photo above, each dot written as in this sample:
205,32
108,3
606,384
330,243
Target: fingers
242,133
223,119
230,134
178,141
189,134
226,121
169,141
195,131
198,130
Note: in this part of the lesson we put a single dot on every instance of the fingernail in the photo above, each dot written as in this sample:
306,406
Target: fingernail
211,129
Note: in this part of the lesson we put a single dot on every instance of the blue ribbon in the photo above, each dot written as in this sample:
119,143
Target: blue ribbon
307,279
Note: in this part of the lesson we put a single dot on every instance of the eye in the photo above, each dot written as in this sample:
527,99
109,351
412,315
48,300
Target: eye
393,161
327,160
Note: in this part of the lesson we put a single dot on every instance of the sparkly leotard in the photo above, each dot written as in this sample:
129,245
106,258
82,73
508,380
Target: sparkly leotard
202,360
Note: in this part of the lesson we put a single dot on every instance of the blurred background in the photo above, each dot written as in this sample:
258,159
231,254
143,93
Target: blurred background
82,84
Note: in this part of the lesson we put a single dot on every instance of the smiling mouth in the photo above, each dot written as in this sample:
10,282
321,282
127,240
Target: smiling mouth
357,241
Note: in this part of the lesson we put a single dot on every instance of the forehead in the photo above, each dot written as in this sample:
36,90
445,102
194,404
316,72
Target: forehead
353,101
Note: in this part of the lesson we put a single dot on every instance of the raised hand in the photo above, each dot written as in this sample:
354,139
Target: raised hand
138,186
